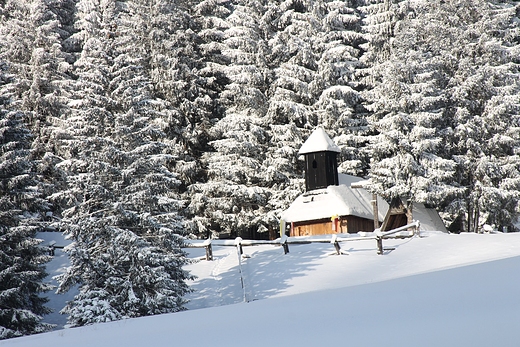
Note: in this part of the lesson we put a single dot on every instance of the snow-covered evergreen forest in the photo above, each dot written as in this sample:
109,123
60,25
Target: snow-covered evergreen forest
131,124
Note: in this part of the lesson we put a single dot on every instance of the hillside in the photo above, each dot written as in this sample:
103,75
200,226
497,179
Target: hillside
436,290
129,125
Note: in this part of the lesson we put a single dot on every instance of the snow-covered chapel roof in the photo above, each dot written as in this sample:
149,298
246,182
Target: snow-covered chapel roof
341,200
319,141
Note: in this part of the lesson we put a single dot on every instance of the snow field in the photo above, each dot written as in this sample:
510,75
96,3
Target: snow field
312,267
438,290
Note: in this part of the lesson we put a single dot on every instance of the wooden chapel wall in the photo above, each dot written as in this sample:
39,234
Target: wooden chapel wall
346,224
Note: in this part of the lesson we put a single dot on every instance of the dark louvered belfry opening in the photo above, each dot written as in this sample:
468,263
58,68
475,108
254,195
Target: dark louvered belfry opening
321,170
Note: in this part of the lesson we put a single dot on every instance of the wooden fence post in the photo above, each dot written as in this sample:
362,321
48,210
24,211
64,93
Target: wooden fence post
238,244
209,250
285,246
379,240
334,241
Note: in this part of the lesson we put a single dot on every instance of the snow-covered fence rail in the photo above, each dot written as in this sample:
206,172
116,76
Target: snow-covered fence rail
238,242
285,241
380,235
207,244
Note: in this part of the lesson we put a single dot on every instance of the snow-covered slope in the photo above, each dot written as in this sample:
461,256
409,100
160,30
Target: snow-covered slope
269,273
438,290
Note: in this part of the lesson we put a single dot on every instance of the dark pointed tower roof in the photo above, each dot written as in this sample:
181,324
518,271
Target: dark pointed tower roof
319,141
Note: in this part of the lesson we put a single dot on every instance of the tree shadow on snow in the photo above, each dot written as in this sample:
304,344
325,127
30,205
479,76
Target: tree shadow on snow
265,272
270,272
222,286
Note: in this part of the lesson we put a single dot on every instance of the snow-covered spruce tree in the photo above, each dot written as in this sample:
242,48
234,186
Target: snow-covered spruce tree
440,82
185,63
192,78
209,23
483,91
35,55
210,18
123,197
294,54
283,168
315,50
339,107
22,261
233,200
123,275
293,29
379,20
130,209
408,107
31,36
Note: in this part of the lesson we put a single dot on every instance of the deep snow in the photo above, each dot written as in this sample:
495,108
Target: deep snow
437,290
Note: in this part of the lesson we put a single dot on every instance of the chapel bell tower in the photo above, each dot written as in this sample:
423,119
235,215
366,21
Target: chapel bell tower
321,161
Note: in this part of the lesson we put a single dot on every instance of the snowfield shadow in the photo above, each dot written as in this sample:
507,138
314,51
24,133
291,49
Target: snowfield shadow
271,272
218,281
266,272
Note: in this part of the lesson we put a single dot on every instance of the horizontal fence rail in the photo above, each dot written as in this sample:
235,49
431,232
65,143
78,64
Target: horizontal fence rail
285,241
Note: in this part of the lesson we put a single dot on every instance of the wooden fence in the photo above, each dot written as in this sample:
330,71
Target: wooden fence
285,241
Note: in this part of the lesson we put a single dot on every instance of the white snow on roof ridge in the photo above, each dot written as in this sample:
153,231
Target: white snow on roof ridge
319,141
339,200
